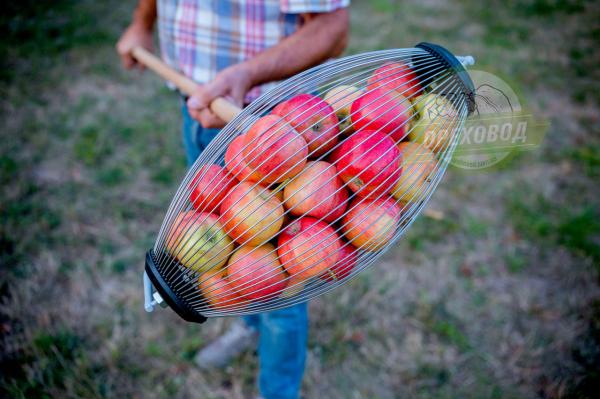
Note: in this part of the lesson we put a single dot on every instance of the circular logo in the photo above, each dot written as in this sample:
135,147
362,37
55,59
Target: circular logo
487,133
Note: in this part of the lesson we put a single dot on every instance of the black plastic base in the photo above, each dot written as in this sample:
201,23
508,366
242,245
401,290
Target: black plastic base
446,58
170,297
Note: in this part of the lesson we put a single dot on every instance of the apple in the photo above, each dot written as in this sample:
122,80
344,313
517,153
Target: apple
317,191
383,111
370,224
347,256
218,292
314,119
274,150
235,163
208,188
307,247
437,122
198,241
369,162
395,76
251,214
341,98
255,273
418,164
430,106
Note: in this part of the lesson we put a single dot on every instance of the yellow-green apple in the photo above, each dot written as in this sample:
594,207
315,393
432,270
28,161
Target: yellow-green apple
307,247
255,273
384,111
274,150
235,163
341,98
369,162
418,163
317,191
251,214
347,256
208,188
314,119
437,123
198,241
370,224
218,292
395,76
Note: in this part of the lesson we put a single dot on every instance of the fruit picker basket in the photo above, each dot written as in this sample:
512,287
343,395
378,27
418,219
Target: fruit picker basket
308,185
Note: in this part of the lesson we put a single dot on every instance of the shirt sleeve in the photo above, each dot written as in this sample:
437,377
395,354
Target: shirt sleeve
309,6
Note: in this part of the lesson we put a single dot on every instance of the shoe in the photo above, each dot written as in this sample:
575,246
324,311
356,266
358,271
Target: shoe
239,338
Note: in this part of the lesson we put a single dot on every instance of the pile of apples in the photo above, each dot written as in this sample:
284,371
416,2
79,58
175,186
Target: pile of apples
309,186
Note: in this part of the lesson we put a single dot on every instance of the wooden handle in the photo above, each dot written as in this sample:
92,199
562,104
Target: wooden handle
224,109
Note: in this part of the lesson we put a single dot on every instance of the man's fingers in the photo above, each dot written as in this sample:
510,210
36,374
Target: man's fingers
205,94
209,120
196,102
125,53
194,113
133,36
128,61
206,118
213,90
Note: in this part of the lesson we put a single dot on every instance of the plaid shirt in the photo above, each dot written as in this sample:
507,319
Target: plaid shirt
202,37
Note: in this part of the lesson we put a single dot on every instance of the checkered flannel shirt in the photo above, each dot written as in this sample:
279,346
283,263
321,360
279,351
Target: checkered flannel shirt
202,37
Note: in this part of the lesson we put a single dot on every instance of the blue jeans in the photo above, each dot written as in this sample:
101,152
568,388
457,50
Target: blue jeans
282,333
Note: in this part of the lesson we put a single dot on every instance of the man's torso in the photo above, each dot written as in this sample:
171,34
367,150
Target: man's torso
202,37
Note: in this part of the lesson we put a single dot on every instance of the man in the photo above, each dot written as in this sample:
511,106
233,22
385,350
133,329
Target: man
236,49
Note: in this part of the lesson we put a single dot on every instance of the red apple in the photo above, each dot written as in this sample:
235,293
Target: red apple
397,77
369,162
235,163
209,186
307,247
317,191
274,150
383,111
218,292
314,119
370,224
255,272
347,257
198,241
251,215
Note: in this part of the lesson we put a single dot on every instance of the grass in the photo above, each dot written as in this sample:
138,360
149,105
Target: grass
498,299
576,229
588,156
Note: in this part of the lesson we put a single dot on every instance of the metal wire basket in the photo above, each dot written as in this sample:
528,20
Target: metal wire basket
310,184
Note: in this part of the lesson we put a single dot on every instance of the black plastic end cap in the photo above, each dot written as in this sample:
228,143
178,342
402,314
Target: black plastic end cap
170,297
452,63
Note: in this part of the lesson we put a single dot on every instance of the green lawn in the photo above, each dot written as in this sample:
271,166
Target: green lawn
499,299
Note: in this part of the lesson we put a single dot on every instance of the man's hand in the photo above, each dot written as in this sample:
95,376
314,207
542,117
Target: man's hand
320,37
135,35
232,83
